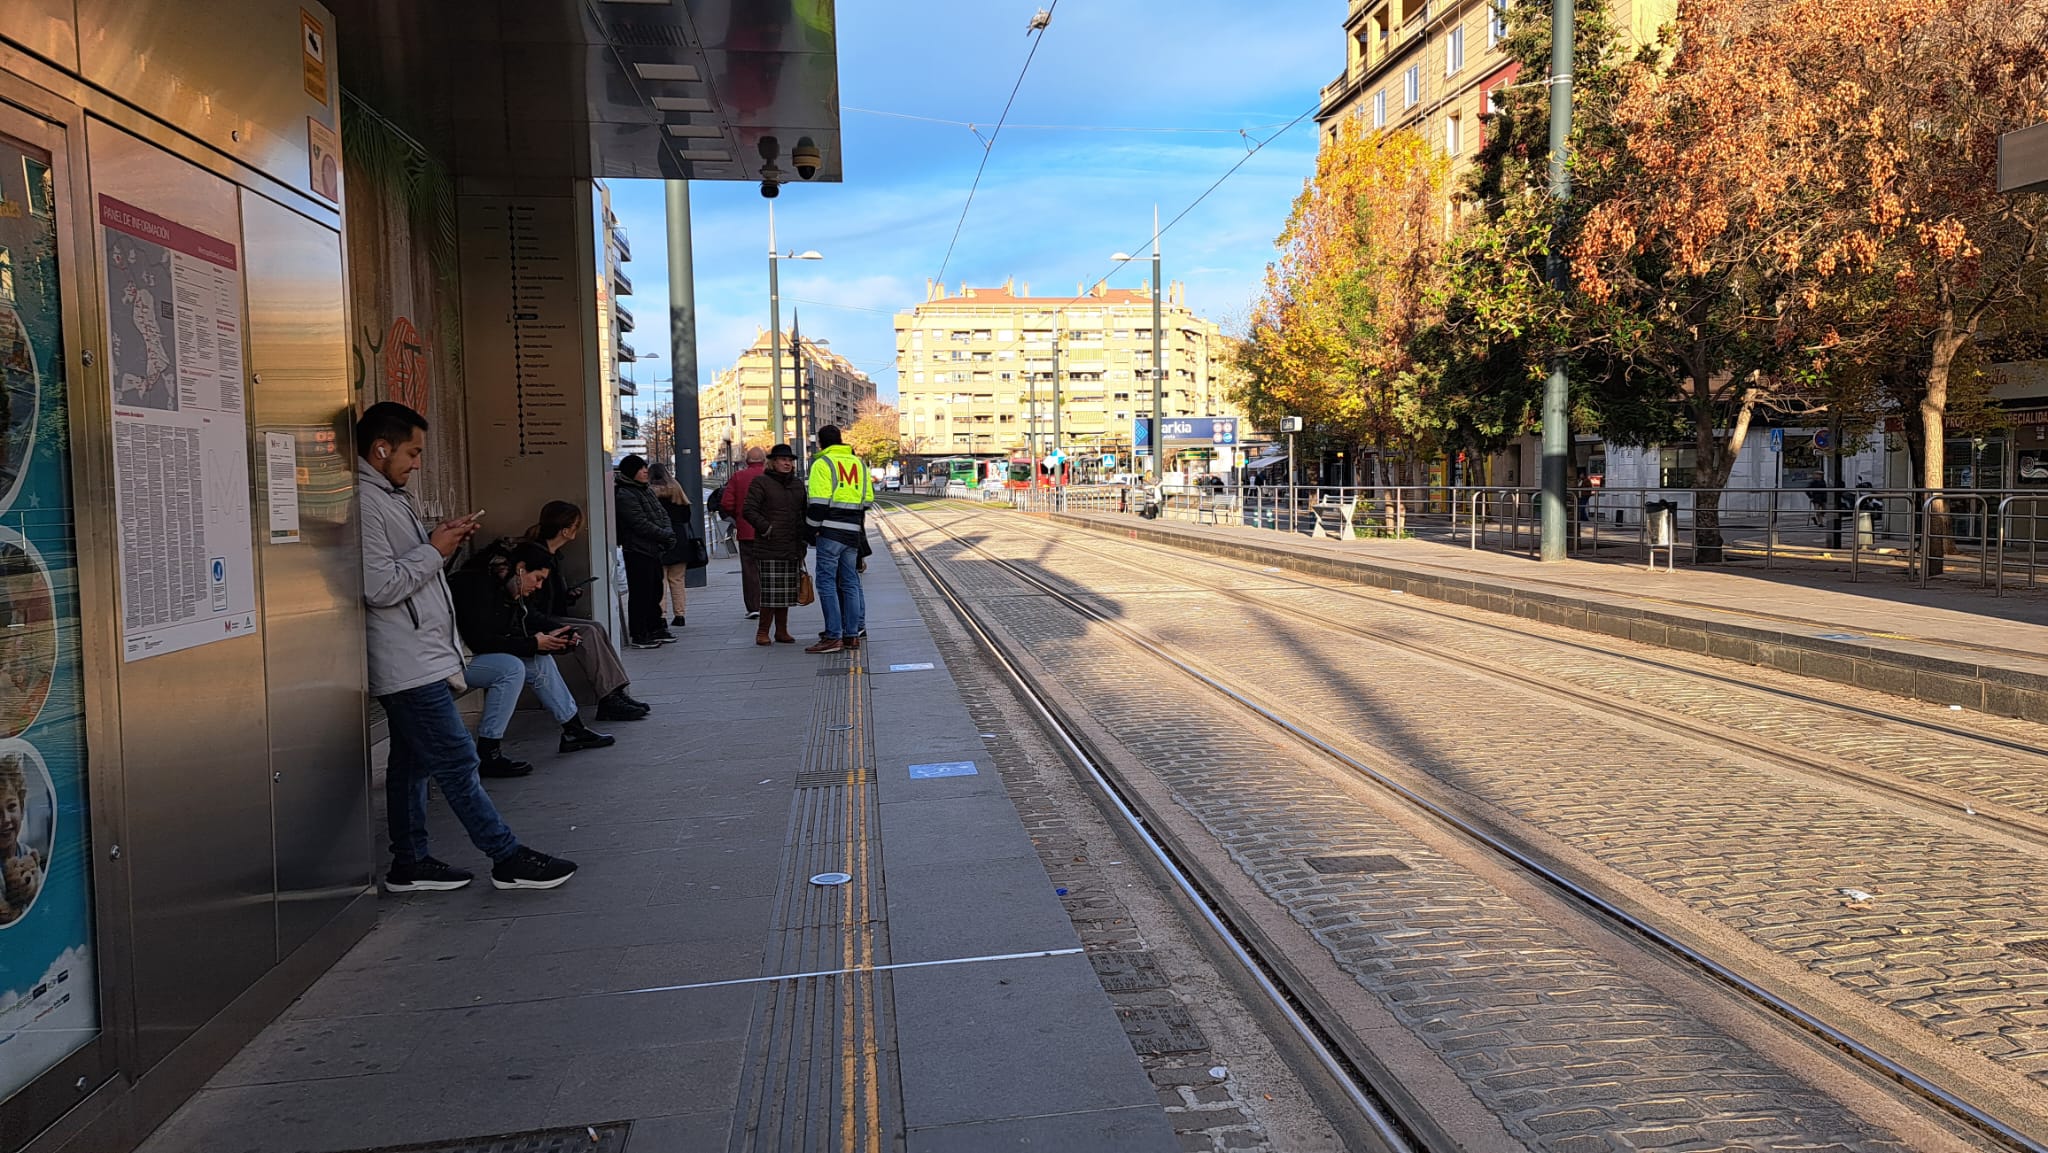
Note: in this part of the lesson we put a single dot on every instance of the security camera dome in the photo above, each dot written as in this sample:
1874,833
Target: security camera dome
807,158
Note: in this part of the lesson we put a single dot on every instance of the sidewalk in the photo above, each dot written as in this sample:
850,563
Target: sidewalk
691,989
1946,645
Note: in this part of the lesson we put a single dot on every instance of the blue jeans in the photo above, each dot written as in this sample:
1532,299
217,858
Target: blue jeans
500,676
838,580
428,739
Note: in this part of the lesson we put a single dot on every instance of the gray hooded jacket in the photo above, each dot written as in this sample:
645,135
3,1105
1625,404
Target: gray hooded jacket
411,613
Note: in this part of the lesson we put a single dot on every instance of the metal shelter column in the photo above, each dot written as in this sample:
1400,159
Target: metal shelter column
687,434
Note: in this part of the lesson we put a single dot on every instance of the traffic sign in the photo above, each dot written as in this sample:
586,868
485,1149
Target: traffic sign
1821,439
1777,440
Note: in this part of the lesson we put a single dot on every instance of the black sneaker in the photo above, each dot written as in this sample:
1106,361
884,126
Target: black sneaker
495,765
636,702
614,710
576,738
678,622
645,642
753,614
428,875
527,869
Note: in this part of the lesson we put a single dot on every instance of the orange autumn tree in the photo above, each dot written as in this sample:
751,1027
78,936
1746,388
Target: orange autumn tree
1924,256
1330,337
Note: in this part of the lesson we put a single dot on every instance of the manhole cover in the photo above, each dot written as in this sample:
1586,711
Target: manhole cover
1158,1029
610,1138
1127,972
2035,947
1371,863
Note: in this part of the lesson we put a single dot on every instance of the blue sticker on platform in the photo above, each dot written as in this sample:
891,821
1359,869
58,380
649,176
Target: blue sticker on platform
1840,636
943,769
916,668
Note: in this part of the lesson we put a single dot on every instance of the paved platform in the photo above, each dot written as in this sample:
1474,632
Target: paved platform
1946,645
692,988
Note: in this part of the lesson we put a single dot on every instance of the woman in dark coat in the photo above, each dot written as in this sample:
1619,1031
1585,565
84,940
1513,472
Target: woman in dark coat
675,563
775,509
645,534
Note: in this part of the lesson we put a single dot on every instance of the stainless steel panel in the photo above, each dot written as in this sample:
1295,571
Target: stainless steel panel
229,72
312,588
196,753
44,27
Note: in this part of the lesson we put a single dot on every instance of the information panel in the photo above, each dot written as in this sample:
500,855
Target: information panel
49,1003
181,429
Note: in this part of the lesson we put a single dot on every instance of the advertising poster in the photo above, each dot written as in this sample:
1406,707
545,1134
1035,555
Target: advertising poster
181,433
48,991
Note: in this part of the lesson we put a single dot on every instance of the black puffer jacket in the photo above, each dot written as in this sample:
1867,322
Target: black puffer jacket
490,620
643,524
775,507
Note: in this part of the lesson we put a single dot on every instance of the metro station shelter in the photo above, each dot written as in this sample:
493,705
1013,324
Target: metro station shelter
225,227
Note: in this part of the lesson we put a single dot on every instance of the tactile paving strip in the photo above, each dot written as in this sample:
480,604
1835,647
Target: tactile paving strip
607,1138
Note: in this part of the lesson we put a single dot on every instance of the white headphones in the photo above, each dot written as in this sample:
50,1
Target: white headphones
383,453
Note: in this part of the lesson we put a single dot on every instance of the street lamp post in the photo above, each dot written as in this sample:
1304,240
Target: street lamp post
1156,436
1557,389
775,325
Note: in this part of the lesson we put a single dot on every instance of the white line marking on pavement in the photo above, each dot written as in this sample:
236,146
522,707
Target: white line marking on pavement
844,972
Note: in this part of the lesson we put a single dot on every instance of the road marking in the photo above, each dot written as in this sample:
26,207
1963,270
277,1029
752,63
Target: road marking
854,971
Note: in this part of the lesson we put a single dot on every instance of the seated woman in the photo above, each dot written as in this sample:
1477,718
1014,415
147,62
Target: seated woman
594,653
515,647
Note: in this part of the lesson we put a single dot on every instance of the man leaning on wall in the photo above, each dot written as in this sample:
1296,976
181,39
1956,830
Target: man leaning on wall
416,670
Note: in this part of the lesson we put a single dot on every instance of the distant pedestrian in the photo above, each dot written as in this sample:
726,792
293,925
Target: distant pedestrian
682,556
1817,493
415,666
644,535
775,509
733,502
839,493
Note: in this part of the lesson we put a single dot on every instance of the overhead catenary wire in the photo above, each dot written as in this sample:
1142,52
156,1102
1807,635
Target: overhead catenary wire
970,124
1038,26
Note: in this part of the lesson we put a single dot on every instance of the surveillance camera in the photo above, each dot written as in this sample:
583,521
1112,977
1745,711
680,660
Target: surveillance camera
770,189
807,158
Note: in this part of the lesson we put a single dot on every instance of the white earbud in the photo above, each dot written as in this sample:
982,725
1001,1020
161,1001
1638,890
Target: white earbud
383,453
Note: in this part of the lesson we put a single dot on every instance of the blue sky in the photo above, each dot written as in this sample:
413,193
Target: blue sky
1054,202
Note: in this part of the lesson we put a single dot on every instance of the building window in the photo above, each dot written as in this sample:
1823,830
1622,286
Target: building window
1454,135
1454,51
1411,86
1379,109
1497,23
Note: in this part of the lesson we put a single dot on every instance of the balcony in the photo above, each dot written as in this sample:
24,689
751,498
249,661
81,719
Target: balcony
627,354
624,318
619,241
622,285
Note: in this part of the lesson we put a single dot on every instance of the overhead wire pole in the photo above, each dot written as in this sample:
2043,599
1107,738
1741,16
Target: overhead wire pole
774,338
1557,389
1157,434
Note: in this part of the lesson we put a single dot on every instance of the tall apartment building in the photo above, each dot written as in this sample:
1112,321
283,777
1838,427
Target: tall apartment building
621,432
967,367
1432,66
735,409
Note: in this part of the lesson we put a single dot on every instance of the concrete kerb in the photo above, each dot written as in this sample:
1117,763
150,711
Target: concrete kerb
1904,668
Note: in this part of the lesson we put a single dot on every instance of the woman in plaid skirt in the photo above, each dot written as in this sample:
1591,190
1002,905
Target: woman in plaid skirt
775,507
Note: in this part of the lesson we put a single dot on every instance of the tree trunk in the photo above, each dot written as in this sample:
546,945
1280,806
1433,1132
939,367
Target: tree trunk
1712,464
1933,411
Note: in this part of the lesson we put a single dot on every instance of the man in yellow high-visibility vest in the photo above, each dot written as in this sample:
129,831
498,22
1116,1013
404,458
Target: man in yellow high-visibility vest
840,491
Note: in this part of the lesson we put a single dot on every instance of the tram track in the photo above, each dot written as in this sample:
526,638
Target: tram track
1947,802
1493,840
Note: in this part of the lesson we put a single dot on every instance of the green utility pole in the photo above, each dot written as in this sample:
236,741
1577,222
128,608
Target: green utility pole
1557,390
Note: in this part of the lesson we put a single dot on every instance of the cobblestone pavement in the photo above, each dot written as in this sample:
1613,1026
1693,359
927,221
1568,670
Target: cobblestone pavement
1949,940
1570,1050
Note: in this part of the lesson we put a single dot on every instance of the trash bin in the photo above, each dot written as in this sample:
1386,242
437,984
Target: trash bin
1866,534
1660,522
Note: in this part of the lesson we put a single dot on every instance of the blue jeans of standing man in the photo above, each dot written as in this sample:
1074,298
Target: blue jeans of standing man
428,740
500,676
846,612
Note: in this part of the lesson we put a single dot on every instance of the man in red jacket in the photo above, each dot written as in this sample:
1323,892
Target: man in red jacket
730,502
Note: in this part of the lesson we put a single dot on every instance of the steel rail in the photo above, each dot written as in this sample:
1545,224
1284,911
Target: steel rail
1530,863
1395,1131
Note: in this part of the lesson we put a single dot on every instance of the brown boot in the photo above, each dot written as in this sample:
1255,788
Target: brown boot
761,634
782,627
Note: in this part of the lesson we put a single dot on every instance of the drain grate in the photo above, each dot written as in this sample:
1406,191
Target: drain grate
1159,1029
2035,947
609,1138
1127,972
1370,863
823,779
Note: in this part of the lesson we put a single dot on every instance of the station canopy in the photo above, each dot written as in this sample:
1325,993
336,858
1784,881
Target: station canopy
602,89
